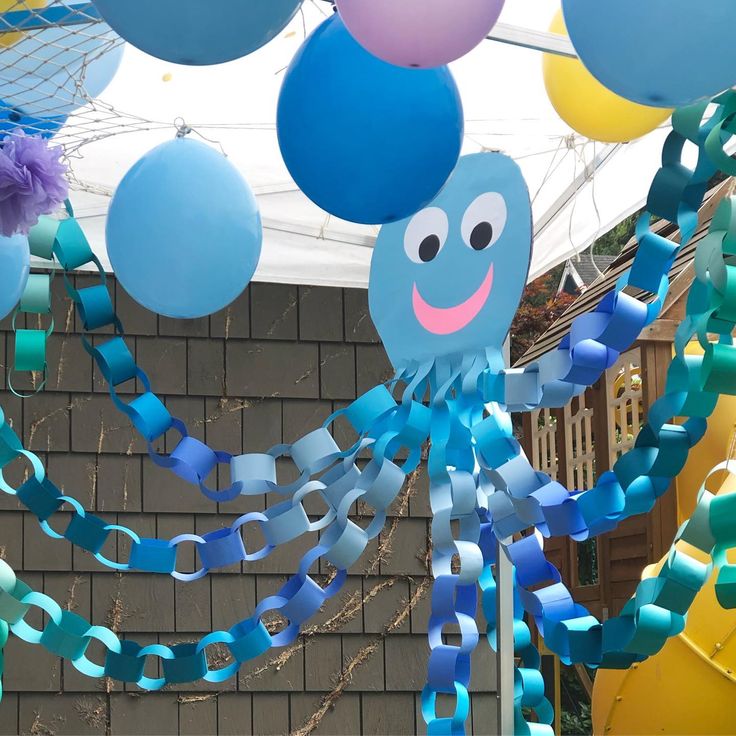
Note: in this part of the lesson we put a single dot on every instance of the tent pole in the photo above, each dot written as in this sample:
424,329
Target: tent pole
505,623
550,43
505,642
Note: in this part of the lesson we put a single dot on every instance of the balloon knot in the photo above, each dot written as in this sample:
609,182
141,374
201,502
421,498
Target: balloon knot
182,129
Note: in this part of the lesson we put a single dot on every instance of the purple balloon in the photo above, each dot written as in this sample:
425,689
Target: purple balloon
419,33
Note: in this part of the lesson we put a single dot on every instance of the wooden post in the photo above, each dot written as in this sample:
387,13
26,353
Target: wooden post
656,357
562,449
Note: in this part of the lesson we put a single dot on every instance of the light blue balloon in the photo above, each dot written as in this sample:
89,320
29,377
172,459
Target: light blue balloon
448,280
663,53
198,32
55,71
365,140
15,265
183,230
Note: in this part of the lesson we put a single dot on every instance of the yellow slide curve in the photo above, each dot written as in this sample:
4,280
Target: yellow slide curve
690,686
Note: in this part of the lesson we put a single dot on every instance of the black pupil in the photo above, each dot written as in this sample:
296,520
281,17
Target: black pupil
482,235
429,248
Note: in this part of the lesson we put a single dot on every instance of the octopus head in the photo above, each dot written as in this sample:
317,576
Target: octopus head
448,280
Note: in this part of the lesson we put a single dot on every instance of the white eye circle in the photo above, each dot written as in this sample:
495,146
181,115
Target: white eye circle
426,234
484,221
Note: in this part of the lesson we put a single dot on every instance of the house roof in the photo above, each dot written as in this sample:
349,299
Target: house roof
590,267
583,269
588,300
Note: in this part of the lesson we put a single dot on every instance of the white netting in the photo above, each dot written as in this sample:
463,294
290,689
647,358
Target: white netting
54,55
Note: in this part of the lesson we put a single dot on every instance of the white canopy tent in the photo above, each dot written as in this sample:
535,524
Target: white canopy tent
580,189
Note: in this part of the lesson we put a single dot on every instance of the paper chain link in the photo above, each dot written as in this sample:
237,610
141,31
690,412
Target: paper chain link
31,343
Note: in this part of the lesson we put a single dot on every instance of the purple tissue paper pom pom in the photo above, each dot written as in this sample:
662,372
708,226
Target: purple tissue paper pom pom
32,181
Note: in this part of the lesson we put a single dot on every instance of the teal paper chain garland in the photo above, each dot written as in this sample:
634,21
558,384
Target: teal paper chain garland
30,342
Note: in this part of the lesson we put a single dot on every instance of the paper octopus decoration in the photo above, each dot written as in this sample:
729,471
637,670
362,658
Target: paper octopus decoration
444,287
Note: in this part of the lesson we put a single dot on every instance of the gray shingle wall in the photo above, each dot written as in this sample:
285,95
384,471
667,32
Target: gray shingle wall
270,368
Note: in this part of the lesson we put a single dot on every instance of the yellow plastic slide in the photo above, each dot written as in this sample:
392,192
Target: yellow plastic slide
690,686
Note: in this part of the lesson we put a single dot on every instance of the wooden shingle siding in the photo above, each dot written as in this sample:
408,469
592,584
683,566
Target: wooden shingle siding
267,370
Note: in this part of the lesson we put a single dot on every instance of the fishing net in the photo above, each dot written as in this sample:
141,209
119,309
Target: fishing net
54,57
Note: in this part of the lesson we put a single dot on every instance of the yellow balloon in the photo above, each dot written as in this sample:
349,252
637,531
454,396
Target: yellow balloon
590,108
10,6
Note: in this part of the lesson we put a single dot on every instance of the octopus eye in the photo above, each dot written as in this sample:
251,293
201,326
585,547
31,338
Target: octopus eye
426,235
484,221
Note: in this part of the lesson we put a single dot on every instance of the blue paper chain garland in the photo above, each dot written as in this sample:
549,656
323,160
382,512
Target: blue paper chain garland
340,479
694,384
597,339
300,598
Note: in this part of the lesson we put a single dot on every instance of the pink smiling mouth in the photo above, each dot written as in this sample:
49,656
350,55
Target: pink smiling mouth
447,321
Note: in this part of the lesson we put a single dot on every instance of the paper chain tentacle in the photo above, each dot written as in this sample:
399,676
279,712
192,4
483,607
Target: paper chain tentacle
597,339
528,680
376,417
657,610
453,497
377,484
67,635
694,384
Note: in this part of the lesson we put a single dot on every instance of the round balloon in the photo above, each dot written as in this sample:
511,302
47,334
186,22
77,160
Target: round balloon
666,53
15,264
365,140
198,32
54,72
420,33
183,230
588,107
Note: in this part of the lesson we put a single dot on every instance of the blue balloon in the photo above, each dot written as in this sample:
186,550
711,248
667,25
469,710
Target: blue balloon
11,119
15,264
198,32
183,230
663,53
365,140
54,72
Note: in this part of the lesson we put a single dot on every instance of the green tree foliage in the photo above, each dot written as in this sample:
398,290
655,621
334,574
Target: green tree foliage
613,242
